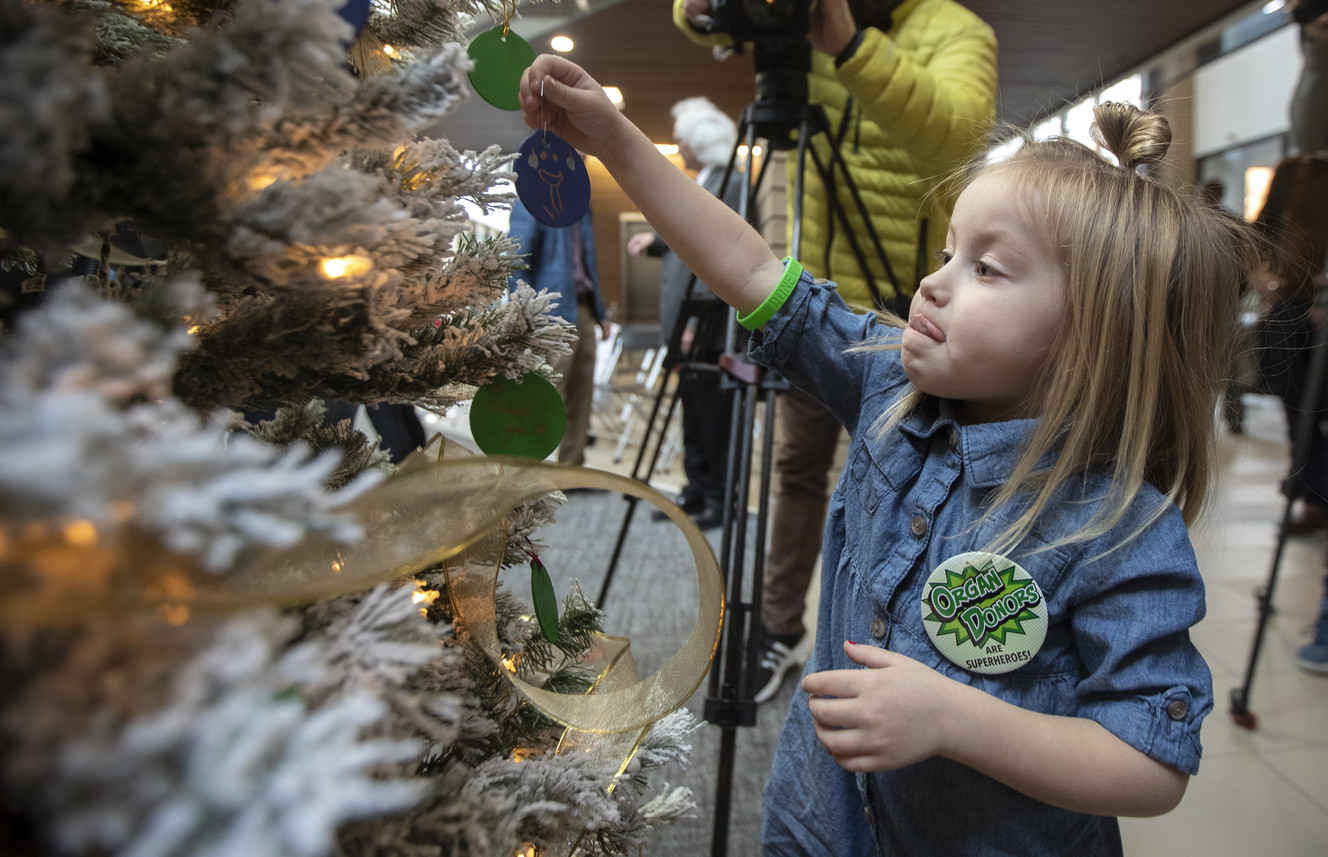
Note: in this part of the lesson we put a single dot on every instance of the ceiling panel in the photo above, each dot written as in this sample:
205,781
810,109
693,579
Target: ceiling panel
1051,51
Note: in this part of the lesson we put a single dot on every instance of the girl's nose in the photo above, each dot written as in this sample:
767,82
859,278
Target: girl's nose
930,287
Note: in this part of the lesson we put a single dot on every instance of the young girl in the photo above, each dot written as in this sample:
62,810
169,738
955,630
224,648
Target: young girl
1002,659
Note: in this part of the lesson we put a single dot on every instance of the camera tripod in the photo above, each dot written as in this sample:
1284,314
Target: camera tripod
729,702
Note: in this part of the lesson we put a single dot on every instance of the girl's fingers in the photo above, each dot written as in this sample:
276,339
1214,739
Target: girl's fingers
836,683
832,713
870,656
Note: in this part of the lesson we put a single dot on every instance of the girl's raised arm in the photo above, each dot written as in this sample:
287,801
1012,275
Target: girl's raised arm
710,238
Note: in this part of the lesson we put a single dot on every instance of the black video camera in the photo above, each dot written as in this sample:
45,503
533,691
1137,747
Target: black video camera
777,30
762,20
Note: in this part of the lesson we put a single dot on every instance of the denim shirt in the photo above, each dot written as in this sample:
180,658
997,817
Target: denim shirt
1117,648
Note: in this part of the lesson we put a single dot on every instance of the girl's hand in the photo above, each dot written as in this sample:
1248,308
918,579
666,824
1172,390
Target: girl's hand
897,712
894,713
559,95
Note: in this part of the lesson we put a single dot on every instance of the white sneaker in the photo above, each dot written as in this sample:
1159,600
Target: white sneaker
778,655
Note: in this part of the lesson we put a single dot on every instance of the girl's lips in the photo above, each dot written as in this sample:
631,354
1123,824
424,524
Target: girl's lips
921,324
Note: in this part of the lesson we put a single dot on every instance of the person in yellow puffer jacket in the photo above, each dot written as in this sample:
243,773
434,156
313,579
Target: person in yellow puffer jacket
909,91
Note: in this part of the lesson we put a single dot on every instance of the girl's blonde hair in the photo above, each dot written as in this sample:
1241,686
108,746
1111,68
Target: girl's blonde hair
1153,281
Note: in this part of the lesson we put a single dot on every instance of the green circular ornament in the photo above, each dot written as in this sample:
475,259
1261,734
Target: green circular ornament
499,61
524,417
984,612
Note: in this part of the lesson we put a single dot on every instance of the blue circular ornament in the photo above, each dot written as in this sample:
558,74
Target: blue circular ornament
355,13
551,180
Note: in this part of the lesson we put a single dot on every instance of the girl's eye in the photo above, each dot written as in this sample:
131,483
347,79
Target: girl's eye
982,269
939,257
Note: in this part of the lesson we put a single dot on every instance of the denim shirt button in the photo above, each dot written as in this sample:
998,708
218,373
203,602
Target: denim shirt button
1177,709
918,525
954,438
878,628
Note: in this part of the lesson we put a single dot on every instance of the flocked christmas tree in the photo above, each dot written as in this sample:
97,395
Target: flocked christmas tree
312,248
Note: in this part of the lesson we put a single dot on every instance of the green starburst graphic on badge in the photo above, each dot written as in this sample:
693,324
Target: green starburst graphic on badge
1012,624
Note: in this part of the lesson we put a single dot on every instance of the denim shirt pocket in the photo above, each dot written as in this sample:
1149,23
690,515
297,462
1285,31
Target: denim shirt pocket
864,473
1058,655
873,471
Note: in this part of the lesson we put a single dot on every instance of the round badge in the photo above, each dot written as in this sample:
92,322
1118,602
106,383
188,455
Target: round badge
499,61
984,612
551,180
525,417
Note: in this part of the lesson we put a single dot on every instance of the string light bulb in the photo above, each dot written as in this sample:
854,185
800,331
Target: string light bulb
561,44
345,266
81,532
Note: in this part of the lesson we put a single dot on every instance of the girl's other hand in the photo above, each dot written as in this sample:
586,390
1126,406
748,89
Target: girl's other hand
559,95
894,713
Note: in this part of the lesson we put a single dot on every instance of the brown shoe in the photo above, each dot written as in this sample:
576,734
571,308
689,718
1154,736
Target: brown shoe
1310,520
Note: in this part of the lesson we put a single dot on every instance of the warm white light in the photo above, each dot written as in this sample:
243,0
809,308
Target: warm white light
1257,180
614,94
756,151
561,44
667,148
389,50
427,596
80,532
345,266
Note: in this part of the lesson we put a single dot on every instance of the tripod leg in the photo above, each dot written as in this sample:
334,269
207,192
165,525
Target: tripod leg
729,704
632,501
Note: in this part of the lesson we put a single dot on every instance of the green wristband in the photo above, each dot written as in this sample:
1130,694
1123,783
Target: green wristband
759,316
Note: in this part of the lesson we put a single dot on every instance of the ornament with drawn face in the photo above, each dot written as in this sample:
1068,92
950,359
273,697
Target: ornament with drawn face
551,180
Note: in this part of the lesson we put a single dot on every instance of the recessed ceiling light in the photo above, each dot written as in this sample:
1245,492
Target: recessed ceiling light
561,44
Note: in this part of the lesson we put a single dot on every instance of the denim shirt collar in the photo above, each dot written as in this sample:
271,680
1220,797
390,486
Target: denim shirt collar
989,450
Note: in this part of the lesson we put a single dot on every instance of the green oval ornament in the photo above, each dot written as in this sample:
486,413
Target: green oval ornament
544,600
525,417
499,61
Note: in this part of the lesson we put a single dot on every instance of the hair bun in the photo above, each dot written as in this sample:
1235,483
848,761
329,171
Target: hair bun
1134,136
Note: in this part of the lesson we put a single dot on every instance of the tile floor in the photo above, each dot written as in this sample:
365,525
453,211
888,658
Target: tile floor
1263,791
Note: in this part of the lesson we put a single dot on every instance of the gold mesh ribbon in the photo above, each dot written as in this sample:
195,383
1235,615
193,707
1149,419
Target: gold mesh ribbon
432,511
